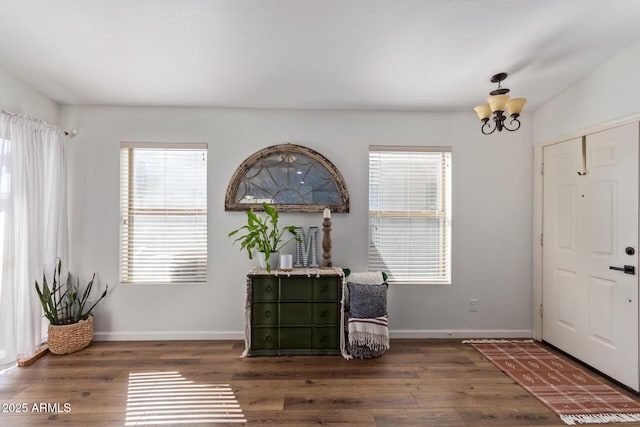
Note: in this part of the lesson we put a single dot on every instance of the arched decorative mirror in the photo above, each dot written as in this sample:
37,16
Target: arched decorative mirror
291,177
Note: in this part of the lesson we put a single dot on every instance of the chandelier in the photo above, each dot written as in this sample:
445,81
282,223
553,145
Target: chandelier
496,105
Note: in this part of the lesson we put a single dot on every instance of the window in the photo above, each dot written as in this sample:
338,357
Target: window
163,208
410,213
290,176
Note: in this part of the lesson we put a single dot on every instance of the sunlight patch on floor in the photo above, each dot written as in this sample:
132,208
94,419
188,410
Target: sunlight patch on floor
155,398
10,368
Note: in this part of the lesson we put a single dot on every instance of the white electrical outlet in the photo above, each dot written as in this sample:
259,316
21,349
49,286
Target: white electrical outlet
473,304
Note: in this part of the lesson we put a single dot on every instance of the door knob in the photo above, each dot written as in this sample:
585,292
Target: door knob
628,269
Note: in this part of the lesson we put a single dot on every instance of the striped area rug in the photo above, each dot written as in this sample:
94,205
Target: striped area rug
572,392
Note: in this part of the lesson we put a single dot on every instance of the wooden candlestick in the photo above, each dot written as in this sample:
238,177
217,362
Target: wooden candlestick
326,243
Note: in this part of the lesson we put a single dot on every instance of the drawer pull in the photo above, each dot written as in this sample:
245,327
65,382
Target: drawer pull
267,288
267,313
323,313
267,338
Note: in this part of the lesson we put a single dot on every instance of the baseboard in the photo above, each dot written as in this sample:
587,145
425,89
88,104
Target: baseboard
168,336
236,335
461,333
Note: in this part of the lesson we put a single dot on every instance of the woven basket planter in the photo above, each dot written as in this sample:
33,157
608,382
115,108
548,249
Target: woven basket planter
64,339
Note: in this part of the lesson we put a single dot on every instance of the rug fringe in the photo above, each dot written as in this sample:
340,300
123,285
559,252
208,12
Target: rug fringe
599,418
491,341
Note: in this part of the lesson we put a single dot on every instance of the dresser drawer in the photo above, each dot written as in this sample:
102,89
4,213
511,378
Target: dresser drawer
325,338
264,338
295,338
296,313
325,313
295,288
326,288
265,313
265,289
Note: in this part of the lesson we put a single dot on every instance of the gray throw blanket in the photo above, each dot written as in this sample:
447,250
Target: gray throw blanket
368,337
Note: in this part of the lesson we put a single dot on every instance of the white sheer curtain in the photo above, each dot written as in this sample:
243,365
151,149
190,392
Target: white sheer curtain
33,227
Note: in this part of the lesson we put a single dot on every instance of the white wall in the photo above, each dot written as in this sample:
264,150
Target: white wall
491,216
18,97
607,94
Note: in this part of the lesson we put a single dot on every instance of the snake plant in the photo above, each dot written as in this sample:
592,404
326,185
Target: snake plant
64,303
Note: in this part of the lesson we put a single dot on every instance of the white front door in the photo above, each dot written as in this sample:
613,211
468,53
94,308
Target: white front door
590,233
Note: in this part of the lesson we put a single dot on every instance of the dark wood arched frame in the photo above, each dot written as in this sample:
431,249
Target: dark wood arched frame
291,177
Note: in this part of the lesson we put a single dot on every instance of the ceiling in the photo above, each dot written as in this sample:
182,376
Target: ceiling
422,55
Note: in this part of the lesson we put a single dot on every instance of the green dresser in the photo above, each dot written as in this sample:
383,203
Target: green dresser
296,313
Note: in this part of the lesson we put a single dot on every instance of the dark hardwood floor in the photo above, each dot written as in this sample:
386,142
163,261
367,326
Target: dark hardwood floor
417,382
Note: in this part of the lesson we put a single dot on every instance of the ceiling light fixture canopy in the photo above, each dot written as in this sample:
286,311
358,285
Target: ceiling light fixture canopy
496,104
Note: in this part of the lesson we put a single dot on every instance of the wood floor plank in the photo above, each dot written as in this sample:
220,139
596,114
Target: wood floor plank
505,415
337,402
441,417
308,418
74,389
281,387
70,420
260,401
10,390
417,382
446,399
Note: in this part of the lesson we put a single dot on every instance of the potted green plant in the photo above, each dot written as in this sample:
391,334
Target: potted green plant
263,234
64,305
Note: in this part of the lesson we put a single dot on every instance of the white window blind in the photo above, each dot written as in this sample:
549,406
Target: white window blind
163,204
410,213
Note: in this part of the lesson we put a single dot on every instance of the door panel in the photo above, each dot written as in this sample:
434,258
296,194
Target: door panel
600,301
591,311
566,285
566,213
602,226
